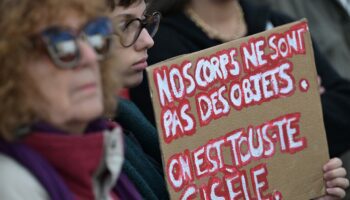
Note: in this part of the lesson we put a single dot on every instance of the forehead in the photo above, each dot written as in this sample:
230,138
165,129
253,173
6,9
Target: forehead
72,19
127,3
72,13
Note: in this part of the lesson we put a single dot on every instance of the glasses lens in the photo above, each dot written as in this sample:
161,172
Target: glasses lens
152,23
62,47
130,32
98,34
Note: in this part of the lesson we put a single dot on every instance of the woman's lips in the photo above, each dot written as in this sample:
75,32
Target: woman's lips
140,65
87,87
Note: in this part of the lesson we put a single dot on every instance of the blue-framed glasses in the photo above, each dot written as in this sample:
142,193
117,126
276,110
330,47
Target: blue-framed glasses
62,44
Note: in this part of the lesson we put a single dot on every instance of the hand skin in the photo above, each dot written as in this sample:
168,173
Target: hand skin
334,175
320,87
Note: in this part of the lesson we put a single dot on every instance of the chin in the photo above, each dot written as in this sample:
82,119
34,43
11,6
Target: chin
88,112
133,81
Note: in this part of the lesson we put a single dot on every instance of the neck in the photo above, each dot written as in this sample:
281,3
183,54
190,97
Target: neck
74,128
219,19
214,11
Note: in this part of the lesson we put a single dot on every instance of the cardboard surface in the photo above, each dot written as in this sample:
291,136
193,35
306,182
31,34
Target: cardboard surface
242,120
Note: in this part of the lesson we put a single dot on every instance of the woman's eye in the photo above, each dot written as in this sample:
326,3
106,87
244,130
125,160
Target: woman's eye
123,26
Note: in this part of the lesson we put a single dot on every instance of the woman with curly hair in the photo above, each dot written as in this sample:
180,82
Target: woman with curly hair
57,89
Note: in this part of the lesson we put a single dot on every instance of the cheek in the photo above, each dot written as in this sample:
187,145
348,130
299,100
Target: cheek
51,83
55,94
52,102
124,57
58,99
54,86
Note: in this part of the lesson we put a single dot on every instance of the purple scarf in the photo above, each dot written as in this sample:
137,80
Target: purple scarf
47,175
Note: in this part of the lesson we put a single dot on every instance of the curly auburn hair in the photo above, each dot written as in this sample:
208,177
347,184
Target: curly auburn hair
20,19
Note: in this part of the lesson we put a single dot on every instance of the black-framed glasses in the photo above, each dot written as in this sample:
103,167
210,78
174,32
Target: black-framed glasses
130,31
62,44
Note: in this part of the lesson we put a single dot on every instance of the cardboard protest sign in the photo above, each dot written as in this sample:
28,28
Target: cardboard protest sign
242,120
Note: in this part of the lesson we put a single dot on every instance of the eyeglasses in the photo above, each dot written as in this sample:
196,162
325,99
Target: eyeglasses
129,32
62,44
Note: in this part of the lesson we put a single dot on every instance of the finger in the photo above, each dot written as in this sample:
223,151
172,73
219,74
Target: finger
319,81
336,192
338,182
328,197
332,164
335,173
322,90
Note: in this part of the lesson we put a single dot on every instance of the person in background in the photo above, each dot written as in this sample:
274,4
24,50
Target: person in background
194,25
134,29
57,84
329,22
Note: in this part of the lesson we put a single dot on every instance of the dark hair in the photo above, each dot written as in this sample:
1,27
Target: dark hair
124,3
167,7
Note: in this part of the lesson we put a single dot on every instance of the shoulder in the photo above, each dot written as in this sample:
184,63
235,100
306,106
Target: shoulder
126,106
17,182
177,35
258,15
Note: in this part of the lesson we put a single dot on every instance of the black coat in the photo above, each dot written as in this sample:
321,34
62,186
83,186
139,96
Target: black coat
186,37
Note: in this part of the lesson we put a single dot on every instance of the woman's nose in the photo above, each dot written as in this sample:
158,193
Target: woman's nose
87,53
145,41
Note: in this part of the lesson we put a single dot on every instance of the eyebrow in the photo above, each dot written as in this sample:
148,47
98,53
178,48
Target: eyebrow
130,16
126,16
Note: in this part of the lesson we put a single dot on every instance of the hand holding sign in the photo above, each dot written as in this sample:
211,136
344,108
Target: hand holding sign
336,182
